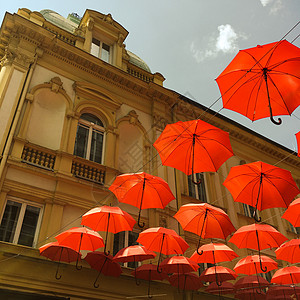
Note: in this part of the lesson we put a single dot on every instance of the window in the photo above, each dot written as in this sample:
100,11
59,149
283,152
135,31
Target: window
100,50
203,267
124,239
248,210
89,138
20,223
294,229
197,190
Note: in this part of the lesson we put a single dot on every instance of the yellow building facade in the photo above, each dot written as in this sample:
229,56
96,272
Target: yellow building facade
76,110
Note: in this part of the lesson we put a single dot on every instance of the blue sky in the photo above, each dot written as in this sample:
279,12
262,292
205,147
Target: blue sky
191,42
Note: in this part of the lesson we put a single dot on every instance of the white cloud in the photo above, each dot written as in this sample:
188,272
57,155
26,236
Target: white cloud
275,5
265,2
224,42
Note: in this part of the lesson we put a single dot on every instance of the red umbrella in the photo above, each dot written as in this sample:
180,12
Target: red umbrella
133,254
257,237
249,264
162,240
251,282
282,292
80,238
59,253
149,272
103,263
222,273
188,281
298,142
109,219
262,81
180,143
225,288
213,253
253,294
289,251
287,275
142,190
261,185
178,264
204,220
292,214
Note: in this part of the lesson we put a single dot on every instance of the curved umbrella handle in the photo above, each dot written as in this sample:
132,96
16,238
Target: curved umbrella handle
255,217
141,225
196,182
95,282
56,274
274,121
264,269
205,216
78,267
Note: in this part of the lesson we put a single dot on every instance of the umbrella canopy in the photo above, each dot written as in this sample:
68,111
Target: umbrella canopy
298,142
289,251
213,253
56,252
250,282
251,294
204,220
225,288
142,190
181,142
282,292
292,214
188,281
80,238
287,275
262,81
178,264
109,219
133,254
103,263
261,185
149,272
219,272
250,264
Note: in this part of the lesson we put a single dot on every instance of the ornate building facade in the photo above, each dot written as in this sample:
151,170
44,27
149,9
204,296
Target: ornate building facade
76,110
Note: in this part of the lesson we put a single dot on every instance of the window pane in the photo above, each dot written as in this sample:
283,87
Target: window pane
105,52
201,187
29,226
81,141
95,48
119,240
191,186
9,221
91,118
96,147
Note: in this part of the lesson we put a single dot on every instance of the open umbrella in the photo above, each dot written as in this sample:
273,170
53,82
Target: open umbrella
80,238
257,237
251,294
251,282
282,292
178,264
262,81
204,220
133,254
181,142
103,263
59,253
162,240
109,219
149,272
188,281
225,288
223,274
298,142
249,264
289,251
292,214
261,185
142,190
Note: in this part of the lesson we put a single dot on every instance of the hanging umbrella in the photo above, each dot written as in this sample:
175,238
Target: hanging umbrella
204,220
181,142
103,263
149,272
225,288
162,240
261,185
222,273
108,219
251,282
289,251
298,142
142,190
249,265
178,264
292,214
59,253
262,81
287,275
213,253
133,254
80,238
188,281
251,294
257,237
282,292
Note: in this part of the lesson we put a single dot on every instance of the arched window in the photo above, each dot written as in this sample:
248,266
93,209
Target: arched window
89,138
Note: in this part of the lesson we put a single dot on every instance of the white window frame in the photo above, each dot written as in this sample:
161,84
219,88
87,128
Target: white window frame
24,204
92,127
96,50
195,187
247,211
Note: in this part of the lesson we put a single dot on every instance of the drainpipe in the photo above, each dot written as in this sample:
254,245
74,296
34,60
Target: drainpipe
16,117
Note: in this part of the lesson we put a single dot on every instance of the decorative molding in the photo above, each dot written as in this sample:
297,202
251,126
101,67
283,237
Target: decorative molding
159,121
56,84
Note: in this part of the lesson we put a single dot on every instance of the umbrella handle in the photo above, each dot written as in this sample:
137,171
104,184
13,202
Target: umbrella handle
193,158
274,121
255,217
56,274
205,216
78,267
149,283
95,282
141,225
